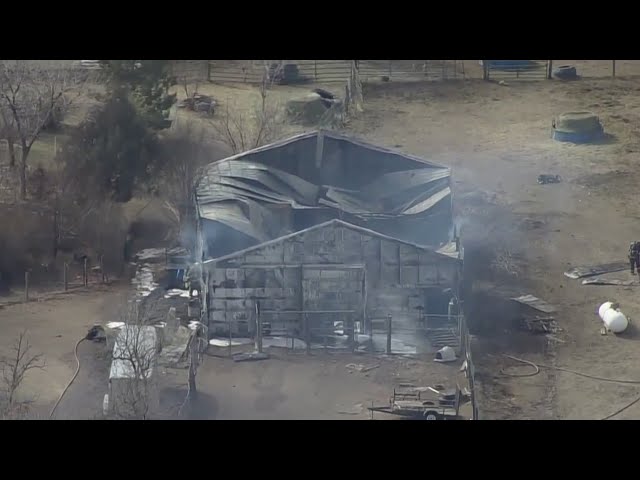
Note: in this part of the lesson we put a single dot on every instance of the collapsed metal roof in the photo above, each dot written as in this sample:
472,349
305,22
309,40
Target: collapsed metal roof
318,171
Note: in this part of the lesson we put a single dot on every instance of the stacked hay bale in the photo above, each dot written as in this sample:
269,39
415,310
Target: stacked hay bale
577,127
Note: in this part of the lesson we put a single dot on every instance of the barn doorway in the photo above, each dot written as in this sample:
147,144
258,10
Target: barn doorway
333,299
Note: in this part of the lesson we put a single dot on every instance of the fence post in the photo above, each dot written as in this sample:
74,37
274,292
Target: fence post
614,68
307,333
65,276
193,359
230,335
353,335
26,286
258,328
549,69
85,273
371,343
315,70
102,269
390,68
485,69
389,334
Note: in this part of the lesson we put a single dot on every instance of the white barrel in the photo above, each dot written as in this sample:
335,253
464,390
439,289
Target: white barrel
603,308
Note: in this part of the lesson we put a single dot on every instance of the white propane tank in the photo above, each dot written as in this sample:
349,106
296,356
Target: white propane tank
603,308
614,320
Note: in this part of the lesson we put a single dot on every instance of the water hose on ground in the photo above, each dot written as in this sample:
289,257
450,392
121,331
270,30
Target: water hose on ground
75,375
537,368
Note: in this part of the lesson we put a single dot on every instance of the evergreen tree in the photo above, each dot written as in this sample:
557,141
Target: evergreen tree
113,152
148,83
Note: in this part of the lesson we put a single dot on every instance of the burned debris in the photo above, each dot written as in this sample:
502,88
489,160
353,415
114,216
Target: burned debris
546,179
593,270
535,315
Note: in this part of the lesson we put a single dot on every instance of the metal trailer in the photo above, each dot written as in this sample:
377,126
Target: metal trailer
423,403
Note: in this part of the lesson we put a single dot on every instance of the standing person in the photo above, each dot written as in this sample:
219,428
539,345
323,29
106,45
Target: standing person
192,279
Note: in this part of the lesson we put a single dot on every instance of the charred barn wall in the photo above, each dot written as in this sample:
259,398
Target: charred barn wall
331,267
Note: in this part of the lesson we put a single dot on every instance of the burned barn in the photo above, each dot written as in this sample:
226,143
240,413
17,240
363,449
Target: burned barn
321,230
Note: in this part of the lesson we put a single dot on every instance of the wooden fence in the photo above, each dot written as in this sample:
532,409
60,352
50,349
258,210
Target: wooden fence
336,71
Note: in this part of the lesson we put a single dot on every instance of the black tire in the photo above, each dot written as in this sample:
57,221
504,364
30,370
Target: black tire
565,72
432,415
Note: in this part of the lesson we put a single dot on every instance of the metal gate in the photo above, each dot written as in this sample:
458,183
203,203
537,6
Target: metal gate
515,69
333,305
409,335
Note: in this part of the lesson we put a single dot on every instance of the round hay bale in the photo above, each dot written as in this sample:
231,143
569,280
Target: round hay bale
309,109
578,122
574,137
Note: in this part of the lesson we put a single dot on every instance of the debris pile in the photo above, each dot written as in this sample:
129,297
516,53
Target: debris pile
546,179
530,320
539,325
199,103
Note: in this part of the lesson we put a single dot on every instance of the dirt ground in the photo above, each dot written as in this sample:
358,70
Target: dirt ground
52,328
497,140
317,387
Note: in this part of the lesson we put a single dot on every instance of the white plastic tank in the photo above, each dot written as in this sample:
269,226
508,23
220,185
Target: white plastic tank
603,308
614,319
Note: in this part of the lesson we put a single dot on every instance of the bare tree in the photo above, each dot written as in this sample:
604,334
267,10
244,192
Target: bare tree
186,151
245,130
189,85
14,370
30,97
132,382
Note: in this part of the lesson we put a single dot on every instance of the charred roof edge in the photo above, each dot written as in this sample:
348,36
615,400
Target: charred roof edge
213,261
336,136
